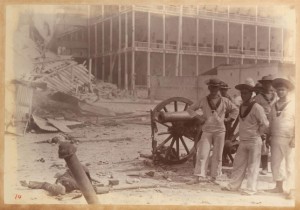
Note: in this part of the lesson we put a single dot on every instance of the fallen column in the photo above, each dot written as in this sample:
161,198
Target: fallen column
67,152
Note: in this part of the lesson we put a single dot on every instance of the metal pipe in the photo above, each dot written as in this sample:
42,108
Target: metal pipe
67,151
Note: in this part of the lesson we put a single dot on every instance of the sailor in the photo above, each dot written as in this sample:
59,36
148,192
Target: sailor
214,108
224,91
266,98
282,137
253,123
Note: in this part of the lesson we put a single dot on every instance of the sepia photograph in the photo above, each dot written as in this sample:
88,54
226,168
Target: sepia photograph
150,104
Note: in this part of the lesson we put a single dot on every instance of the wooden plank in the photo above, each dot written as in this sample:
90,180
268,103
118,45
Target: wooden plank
95,109
43,124
59,125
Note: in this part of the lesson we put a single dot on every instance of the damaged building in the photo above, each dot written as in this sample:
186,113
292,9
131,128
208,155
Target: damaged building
128,44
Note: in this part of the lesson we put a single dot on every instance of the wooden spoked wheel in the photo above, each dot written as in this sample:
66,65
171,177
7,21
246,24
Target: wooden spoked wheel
175,140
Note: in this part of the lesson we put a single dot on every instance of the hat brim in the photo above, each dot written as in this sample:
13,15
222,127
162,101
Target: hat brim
213,85
244,87
225,87
282,82
265,80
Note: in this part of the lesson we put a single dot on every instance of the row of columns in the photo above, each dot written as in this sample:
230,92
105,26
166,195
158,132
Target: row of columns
178,70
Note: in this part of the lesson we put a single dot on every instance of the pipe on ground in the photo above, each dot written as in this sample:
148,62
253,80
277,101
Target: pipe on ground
67,151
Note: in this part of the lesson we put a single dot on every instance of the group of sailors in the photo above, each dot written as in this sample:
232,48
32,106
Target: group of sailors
266,117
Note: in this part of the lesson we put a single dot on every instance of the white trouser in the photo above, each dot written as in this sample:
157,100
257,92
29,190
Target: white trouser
203,151
282,161
247,159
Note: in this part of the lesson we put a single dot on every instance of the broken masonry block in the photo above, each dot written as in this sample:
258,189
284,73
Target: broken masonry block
113,182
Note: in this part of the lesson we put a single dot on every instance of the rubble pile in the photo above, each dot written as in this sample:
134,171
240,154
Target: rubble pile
107,90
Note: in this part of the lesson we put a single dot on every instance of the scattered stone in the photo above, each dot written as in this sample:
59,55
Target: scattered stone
150,173
77,196
57,165
41,160
113,182
101,189
131,181
102,162
148,163
135,174
146,156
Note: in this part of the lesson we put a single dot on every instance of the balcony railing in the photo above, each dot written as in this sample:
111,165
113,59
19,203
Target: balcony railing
249,52
192,10
235,51
205,49
156,45
263,53
189,48
189,10
172,9
171,46
275,54
208,49
141,44
242,17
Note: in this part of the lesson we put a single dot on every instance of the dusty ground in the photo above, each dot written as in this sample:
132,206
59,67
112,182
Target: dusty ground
107,158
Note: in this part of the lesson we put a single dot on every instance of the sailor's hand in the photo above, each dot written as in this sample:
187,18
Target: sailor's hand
228,119
263,137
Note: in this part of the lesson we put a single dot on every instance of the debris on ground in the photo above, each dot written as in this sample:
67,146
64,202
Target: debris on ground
146,156
102,189
41,160
53,125
150,173
113,182
148,163
58,166
132,180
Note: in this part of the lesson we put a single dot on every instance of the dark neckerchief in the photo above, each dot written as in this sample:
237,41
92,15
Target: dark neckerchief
247,111
266,98
279,110
213,106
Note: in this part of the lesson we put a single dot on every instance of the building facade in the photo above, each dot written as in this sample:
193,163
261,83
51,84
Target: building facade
167,40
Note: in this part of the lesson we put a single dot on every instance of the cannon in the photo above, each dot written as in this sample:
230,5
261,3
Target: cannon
175,131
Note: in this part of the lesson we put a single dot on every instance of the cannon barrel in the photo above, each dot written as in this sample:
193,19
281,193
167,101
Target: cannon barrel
174,116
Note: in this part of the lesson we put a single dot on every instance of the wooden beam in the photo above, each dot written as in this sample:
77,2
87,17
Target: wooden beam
96,51
119,53
197,42
148,52
90,70
103,60
213,43
180,67
178,42
228,28
110,49
269,42
256,13
126,48
164,42
89,34
242,59
282,45
133,53
256,44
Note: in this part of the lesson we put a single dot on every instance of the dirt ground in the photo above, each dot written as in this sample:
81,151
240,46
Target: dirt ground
112,151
